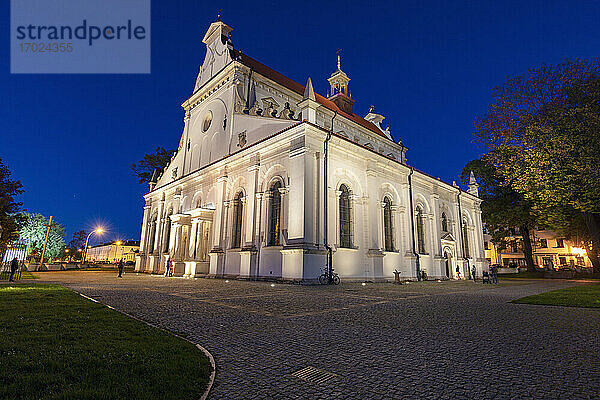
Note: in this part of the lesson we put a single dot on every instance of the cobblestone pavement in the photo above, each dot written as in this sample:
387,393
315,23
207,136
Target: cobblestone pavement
424,340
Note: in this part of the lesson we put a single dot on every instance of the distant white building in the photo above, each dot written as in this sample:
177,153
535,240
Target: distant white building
113,252
244,196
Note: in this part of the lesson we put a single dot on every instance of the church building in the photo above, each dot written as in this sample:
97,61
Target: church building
271,180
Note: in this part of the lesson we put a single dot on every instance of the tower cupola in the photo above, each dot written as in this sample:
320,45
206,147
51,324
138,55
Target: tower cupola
339,92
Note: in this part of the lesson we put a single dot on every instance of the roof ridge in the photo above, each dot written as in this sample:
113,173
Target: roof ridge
294,86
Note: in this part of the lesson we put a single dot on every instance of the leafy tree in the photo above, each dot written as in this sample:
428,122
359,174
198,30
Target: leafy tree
10,216
34,232
502,208
76,243
542,132
158,160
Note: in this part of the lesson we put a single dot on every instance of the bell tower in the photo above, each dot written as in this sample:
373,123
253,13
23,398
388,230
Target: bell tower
219,51
339,92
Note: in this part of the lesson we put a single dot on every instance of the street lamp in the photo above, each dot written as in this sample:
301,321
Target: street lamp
99,232
117,244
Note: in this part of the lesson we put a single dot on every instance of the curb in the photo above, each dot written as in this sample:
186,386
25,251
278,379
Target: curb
211,378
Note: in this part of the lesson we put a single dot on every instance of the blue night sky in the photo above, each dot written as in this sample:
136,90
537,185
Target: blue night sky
429,67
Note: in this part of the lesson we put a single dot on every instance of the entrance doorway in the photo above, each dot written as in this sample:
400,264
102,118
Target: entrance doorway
448,263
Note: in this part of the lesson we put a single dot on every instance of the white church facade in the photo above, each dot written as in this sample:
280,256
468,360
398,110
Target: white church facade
270,178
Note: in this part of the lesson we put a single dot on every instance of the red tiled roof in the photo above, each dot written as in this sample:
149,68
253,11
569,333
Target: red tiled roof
298,88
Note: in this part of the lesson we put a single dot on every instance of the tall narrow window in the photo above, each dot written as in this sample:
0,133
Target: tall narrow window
275,214
152,234
167,238
420,231
345,210
444,222
467,245
238,210
388,229
513,246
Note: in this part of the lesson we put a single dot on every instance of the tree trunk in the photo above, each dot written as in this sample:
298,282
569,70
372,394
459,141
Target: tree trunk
592,254
527,249
592,221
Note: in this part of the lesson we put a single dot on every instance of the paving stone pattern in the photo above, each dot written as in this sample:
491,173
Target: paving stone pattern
428,340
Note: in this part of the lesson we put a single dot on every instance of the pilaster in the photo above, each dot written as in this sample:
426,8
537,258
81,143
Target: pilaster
218,223
374,210
250,233
141,258
301,196
217,254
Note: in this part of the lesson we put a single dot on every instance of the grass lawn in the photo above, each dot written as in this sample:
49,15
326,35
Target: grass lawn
523,275
28,275
24,275
577,296
57,345
540,275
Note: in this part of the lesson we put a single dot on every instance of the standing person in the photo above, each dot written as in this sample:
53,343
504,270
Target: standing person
121,268
167,267
473,271
14,266
495,274
457,272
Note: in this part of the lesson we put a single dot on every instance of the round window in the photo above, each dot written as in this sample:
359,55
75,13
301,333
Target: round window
207,121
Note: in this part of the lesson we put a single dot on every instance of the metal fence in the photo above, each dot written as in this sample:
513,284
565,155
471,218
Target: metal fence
16,249
5,271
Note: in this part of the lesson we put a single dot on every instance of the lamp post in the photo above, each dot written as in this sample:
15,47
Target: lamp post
99,232
117,244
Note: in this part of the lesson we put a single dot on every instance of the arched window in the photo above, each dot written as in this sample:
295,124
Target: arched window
444,222
420,231
167,238
238,211
274,214
465,233
152,235
388,229
345,210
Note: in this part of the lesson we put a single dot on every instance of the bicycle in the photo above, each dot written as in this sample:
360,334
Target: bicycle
324,277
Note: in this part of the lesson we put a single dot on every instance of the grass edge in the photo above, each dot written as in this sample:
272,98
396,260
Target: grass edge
211,378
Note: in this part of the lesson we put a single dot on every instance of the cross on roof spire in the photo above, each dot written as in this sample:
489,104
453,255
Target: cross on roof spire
338,54
219,15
